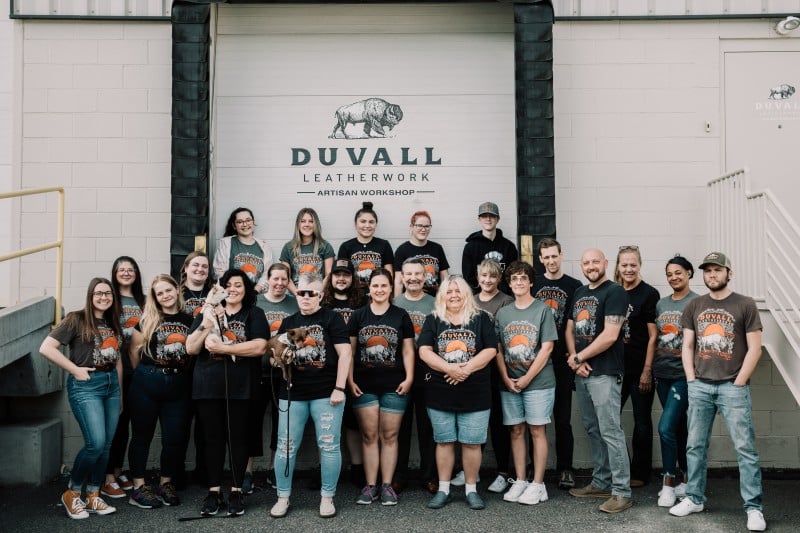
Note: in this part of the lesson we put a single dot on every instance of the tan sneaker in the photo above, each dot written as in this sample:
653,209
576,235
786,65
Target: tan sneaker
616,504
97,505
590,491
74,504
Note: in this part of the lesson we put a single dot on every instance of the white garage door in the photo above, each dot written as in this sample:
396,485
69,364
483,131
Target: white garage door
282,72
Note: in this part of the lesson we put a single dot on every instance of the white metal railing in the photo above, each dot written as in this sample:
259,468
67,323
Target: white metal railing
764,243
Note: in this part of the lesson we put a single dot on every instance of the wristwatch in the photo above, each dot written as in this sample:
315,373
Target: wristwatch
201,327
576,359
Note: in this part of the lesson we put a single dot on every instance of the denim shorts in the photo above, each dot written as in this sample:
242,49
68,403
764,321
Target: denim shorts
533,406
466,428
389,402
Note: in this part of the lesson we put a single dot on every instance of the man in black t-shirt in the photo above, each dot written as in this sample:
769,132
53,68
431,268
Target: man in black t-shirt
596,355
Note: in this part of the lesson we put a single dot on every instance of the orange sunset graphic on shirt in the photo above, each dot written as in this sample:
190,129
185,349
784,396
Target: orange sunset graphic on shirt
364,263
106,347
556,299
584,314
250,264
715,334
378,345
456,345
520,342
171,342
312,353
670,334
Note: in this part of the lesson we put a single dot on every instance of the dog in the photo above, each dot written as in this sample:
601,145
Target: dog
215,297
281,349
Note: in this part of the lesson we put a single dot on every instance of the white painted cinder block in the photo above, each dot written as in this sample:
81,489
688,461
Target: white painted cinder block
71,100
121,201
123,52
98,76
97,174
146,175
122,150
122,100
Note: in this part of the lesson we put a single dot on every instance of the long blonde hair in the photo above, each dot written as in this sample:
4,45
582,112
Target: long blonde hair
297,239
468,311
153,315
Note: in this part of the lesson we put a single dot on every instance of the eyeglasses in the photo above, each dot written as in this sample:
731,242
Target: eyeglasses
102,294
520,279
423,226
126,271
307,293
242,222
631,247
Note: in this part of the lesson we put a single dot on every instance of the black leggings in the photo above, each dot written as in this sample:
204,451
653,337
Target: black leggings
216,417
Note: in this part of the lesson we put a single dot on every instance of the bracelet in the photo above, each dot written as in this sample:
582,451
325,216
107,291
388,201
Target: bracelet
337,387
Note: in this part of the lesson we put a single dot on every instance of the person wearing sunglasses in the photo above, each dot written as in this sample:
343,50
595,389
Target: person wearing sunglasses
429,253
319,377
240,249
639,335
94,364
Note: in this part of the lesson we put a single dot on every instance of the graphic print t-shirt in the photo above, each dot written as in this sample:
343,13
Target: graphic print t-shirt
642,301
275,313
249,258
589,311
307,262
366,257
193,301
432,257
129,316
378,361
103,351
459,344
522,332
721,328
168,343
210,369
315,364
557,294
667,363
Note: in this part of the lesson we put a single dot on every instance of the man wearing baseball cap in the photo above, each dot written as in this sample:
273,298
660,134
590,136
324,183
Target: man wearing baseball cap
721,347
488,243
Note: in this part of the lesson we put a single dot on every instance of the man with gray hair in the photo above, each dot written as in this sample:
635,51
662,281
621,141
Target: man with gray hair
721,347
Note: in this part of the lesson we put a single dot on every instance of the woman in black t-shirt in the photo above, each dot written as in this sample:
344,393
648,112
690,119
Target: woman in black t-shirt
159,391
457,343
224,374
195,282
94,337
382,340
366,252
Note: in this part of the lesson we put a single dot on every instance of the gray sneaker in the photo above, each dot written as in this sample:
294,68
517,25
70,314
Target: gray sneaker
616,504
368,495
388,495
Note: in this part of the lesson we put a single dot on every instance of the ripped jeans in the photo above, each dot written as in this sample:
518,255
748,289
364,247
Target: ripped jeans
327,421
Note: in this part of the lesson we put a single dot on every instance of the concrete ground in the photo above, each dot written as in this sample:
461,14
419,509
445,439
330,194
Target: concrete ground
33,510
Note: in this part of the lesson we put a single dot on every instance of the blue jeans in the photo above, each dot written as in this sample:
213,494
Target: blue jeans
599,401
327,421
95,404
735,406
674,398
158,398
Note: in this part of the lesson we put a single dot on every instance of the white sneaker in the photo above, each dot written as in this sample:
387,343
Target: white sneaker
459,480
500,484
685,508
280,508
666,496
680,490
517,488
535,493
755,520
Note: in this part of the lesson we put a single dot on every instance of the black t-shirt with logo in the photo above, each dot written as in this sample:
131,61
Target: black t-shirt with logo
642,301
589,311
167,345
431,255
378,360
366,257
315,364
557,294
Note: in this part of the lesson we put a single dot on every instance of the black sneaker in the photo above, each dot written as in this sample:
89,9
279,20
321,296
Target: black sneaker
236,504
212,503
144,498
166,493
247,483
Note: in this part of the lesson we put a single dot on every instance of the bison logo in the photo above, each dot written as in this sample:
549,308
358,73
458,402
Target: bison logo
781,92
374,113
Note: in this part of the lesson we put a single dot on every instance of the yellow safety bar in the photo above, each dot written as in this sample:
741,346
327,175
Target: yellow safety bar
59,244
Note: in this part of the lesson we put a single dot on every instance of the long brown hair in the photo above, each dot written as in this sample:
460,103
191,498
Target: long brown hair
84,320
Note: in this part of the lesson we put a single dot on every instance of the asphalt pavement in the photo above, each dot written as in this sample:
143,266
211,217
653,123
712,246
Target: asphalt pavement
34,510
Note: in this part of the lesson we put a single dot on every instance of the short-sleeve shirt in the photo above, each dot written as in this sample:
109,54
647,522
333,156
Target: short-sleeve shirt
102,352
366,257
167,345
276,312
432,257
193,301
642,301
498,301
129,315
316,364
668,363
522,332
210,369
343,310
721,328
589,311
249,258
307,261
557,294
378,365
417,310
456,343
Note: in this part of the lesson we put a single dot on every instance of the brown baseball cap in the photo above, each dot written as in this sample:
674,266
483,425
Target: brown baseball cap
716,258
342,265
488,208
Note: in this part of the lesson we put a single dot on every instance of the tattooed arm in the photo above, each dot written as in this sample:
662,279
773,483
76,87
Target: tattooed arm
604,341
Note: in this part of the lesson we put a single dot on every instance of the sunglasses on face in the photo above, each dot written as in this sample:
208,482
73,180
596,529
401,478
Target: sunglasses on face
307,293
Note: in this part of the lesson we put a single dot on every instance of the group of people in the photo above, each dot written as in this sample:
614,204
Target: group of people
389,337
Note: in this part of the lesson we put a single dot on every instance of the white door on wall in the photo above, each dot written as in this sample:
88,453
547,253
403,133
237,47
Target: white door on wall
296,87
762,121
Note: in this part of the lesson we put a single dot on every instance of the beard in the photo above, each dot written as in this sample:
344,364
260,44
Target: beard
341,292
717,286
595,275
